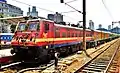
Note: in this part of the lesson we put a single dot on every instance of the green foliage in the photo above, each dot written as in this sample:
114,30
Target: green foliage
1,15
13,28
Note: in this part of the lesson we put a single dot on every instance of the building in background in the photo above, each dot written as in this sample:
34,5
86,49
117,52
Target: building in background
8,10
99,26
109,27
33,13
91,24
58,18
101,29
115,30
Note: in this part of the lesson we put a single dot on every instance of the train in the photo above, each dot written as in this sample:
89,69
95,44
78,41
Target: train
37,40
5,39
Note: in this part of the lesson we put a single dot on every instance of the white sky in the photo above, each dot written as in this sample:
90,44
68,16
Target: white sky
95,10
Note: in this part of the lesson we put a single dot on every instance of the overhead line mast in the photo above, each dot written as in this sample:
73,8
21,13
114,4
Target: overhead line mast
84,23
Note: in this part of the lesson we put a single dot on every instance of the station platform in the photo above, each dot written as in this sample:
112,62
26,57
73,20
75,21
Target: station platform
5,52
72,63
5,55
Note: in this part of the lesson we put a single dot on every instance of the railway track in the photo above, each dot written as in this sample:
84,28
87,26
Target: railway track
115,64
20,67
101,63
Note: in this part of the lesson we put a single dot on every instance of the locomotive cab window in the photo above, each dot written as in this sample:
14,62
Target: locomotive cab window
46,27
21,26
33,25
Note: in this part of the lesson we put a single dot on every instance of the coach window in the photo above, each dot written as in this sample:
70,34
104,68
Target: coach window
80,34
57,34
72,34
63,34
68,34
86,35
90,35
76,35
46,28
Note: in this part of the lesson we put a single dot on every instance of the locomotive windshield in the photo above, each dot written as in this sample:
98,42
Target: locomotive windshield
21,27
33,26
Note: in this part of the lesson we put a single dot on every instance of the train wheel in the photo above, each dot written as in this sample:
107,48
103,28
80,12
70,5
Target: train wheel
67,50
70,49
51,54
42,55
78,47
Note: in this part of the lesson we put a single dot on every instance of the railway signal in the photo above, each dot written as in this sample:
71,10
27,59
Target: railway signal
114,23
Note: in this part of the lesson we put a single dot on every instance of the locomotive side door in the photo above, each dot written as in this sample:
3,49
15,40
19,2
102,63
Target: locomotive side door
48,33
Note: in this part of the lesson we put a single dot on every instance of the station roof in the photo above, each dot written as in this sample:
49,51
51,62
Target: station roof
14,20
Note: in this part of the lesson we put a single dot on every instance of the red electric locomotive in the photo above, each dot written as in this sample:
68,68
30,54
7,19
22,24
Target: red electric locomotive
36,40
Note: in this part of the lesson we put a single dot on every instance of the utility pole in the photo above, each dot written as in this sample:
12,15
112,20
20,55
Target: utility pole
84,25
112,24
84,28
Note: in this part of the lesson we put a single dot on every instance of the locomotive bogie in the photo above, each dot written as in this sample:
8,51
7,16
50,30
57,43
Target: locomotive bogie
30,54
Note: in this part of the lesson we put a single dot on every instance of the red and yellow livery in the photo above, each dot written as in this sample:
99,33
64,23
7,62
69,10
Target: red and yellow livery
37,40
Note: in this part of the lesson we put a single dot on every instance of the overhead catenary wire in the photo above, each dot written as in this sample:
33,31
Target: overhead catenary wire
33,5
47,9
68,11
107,9
71,1
74,8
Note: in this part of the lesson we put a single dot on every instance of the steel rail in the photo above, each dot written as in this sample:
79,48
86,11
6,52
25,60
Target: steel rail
41,67
9,65
112,58
97,56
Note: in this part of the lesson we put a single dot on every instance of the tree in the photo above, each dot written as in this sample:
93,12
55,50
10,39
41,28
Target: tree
12,27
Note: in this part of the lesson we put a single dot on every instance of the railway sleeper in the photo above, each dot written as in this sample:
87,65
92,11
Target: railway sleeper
96,68
101,63
86,71
92,69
